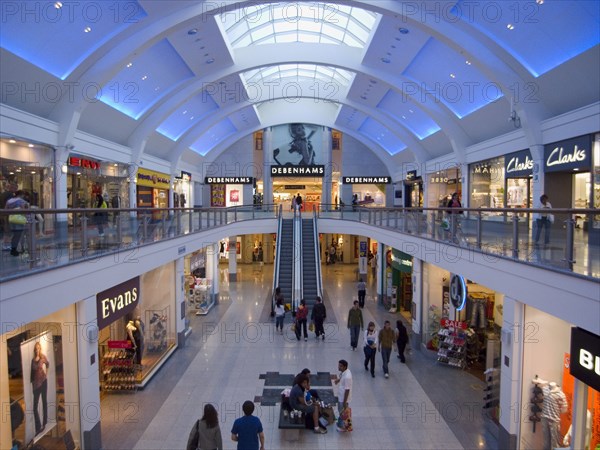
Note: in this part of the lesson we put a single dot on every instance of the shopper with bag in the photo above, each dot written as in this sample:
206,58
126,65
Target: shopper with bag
370,347
344,394
318,316
16,222
206,433
301,318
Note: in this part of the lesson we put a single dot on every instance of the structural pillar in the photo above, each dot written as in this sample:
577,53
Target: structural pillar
232,259
267,163
328,176
511,381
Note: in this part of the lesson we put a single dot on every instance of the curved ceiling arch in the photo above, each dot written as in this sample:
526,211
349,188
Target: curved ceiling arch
179,19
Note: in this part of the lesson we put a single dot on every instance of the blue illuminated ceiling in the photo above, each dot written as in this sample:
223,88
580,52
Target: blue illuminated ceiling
382,135
408,114
540,34
213,136
59,38
187,116
144,80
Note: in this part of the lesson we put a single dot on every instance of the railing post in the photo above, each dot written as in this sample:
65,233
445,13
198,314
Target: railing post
515,242
479,229
360,215
404,220
199,220
235,214
145,227
84,236
433,225
191,220
164,223
32,251
569,247
119,228
178,219
395,219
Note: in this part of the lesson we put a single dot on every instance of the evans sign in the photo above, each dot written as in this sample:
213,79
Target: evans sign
117,301
585,357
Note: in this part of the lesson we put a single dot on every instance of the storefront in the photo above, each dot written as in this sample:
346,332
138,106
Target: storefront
487,184
87,178
200,292
28,167
401,265
152,190
475,315
441,185
518,170
182,191
413,190
136,320
569,181
368,190
229,191
548,381
40,382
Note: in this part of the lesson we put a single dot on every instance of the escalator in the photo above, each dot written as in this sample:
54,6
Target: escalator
286,259
311,283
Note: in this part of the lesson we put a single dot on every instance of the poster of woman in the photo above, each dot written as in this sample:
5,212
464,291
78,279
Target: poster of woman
39,385
297,144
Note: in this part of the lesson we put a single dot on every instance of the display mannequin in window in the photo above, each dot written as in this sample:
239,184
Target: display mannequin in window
138,335
554,404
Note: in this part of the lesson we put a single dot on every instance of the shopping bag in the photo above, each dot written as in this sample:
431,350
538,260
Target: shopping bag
311,326
344,421
293,327
17,219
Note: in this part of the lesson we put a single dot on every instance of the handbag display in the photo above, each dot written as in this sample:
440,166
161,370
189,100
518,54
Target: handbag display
17,219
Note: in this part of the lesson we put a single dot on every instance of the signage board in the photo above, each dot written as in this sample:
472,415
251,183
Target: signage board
585,357
569,154
117,301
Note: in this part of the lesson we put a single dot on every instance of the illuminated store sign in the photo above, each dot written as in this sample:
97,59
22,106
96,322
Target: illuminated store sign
366,180
568,155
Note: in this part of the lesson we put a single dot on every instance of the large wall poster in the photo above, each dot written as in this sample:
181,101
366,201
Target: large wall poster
297,144
39,385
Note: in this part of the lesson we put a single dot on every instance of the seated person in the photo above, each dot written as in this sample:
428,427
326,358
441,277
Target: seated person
311,394
298,401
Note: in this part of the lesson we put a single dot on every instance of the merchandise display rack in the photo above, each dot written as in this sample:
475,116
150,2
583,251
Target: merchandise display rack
119,370
452,343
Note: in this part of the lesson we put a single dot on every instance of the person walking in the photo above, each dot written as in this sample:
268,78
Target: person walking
370,347
279,315
206,433
543,220
301,318
401,339
247,431
299,202
100,218
373,263
16,221
362,292
386,340
344,384
355,324
318,316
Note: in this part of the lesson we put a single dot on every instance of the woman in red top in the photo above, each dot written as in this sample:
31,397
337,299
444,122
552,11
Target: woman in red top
301,316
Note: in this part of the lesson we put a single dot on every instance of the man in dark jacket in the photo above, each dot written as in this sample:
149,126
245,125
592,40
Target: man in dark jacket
318,316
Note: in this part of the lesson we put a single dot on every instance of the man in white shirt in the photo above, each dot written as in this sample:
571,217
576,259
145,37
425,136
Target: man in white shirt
543,220
344,382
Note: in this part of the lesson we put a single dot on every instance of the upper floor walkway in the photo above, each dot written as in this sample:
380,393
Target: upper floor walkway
498,251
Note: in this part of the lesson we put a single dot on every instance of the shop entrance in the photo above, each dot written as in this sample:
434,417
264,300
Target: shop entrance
414,194
310,191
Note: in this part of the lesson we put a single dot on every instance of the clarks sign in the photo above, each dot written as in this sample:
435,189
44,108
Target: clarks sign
568,155
117,301
518,164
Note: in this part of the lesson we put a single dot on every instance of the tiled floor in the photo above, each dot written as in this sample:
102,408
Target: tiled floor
421,406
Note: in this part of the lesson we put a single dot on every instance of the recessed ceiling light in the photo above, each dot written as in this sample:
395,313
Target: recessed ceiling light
404,117
11,173
87,29
403,30
210,60
410,111
452,75
129,64
30,145
33,172
185,112
467,62
510,26
193,31
156,88
18,170
539,2
58,5
386,60
145,77
115,164
12,141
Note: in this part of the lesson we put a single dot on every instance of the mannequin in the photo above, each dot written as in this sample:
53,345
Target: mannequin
132,334
138,335
555,403
588,429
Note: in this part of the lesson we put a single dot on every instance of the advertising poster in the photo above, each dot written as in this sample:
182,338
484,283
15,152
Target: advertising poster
362,258
297,144
39,385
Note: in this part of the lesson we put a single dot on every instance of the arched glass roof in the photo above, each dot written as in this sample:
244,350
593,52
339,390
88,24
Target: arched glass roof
304,22
324,74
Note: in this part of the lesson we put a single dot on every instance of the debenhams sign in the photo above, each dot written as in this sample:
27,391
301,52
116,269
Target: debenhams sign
298,171
117,301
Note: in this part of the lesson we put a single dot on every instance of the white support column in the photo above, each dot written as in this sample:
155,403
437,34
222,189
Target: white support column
5,431
88,372
417,300
538,180
511,381
212,269
180,308
267,162
465,187
132,186
579,426
327,162
232,259
346,195
380,272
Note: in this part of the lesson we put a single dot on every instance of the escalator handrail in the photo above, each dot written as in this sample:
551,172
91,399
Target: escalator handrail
297,261
277,256
317,255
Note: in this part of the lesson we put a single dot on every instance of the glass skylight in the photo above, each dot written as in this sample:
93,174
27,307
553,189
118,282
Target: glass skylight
325,74
282,22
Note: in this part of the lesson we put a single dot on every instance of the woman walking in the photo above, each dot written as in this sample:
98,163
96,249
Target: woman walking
370,347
